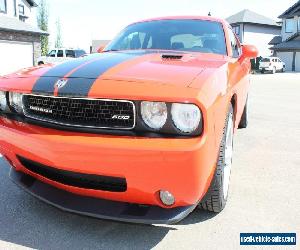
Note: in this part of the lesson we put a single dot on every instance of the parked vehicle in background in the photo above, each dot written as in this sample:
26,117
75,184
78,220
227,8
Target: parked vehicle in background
271,64
61,55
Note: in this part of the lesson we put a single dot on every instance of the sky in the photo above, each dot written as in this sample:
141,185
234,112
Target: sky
85,20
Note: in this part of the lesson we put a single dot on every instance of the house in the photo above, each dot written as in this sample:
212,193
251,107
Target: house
255,29
96,44
287,47
20,39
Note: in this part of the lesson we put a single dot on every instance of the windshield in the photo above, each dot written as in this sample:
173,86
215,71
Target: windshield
266,60
179,35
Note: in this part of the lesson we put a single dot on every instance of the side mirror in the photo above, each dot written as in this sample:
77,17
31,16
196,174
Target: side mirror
249,51
100,49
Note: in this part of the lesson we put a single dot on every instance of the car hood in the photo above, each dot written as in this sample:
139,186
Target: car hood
155,67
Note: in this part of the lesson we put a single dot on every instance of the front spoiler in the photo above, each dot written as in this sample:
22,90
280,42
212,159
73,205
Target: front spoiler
99,208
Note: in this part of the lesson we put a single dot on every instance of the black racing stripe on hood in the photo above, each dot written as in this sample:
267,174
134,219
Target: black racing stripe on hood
81,81
45,84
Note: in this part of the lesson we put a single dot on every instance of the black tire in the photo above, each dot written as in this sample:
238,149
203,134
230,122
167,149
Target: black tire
214,199
40,63
244,120
262,71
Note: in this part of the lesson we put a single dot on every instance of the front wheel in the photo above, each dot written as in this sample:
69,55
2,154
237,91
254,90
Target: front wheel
217,194
244,119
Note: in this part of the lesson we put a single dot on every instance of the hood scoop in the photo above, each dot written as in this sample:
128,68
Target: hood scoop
171,57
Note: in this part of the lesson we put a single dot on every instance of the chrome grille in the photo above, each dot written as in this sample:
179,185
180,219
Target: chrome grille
81,112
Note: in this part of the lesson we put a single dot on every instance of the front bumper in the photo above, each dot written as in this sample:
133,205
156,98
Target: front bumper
98,208
183,167
266,68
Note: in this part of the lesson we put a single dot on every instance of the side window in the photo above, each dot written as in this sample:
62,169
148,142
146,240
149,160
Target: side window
79,53
60,53
52,53
235,44
70,53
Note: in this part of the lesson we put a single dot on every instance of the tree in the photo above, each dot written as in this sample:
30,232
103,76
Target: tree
58,40
42,20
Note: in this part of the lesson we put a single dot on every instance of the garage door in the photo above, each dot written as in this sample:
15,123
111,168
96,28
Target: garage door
298,62
287,58
15,56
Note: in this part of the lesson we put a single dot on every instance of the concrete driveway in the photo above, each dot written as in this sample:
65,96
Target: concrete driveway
264,193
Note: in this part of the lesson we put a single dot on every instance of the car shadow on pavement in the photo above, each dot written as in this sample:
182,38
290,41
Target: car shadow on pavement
29,222
197,216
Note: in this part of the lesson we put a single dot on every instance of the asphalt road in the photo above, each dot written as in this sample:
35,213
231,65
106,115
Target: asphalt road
264,192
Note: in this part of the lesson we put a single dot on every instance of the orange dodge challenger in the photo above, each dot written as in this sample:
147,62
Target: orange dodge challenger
141,132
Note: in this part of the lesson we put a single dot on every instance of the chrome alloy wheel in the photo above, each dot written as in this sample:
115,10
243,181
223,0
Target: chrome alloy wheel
228,155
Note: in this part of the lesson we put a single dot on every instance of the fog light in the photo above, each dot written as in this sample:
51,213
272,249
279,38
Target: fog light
166,198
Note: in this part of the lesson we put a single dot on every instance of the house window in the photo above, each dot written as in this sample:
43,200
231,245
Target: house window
3,6
21,10
289,25
236,30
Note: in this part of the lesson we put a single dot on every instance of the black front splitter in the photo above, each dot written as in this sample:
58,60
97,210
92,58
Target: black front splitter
99,208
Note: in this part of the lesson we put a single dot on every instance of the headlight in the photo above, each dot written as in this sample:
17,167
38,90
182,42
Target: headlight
3,102
186,117
154,114
16,101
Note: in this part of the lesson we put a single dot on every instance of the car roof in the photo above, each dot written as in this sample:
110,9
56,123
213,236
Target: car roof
205,18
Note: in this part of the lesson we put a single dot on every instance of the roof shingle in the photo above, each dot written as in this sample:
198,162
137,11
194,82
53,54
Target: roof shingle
32,3
248,16
290,45
275,40
292,11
